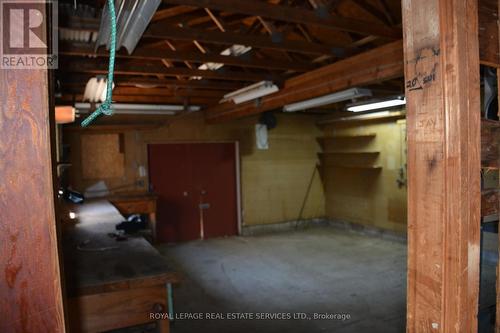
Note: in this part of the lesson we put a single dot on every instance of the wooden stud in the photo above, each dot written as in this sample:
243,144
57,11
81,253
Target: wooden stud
30,285
443,101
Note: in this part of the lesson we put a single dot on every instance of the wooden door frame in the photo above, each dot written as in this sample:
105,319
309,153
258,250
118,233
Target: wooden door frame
239,209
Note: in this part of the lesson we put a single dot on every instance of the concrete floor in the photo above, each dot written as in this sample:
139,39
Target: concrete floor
318,270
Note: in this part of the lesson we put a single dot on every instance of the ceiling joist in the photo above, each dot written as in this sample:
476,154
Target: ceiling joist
294,15
382,63
160,31
97,67
138,81
163,53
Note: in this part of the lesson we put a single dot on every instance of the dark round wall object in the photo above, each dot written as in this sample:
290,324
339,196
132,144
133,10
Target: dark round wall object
268,119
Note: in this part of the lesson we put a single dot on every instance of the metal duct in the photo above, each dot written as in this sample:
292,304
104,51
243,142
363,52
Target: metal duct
132,19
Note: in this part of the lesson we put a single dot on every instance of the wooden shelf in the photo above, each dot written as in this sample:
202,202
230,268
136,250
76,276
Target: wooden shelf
366,153
355,137
363,167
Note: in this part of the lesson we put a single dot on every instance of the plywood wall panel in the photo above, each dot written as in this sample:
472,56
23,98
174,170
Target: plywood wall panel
102,156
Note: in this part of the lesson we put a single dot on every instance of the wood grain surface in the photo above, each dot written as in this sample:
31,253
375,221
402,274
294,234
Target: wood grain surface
30,286
443,101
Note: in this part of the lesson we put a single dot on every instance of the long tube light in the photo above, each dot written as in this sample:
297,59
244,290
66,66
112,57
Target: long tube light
340,96
141,109
377,105
251,92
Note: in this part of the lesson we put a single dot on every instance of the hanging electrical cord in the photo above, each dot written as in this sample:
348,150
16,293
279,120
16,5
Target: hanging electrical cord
105,107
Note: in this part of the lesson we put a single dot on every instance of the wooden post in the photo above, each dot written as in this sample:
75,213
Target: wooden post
443,101
30,286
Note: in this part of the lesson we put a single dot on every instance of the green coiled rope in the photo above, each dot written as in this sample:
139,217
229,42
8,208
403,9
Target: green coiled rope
105,108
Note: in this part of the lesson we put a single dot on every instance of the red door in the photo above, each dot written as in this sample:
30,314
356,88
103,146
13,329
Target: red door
196,188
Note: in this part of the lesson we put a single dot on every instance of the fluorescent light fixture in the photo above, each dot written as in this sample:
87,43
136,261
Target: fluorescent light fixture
141,109
328,99
132,19
251,92
375,105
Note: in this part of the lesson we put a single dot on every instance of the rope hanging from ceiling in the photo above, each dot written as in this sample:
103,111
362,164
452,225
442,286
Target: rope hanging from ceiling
105,107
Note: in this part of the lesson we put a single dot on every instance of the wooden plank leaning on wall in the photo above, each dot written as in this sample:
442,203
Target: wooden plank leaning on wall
30,286
443,101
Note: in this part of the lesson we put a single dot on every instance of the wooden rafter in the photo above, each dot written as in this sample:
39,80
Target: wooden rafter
387,12
383,63
156,91
96,67
216,20
160,31
291,14
147,99
166,13
173,48
373,10
122,80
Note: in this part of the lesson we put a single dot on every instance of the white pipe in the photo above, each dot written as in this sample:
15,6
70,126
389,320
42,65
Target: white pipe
120,108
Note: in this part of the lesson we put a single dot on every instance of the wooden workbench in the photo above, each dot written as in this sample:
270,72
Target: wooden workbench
112,284
137,204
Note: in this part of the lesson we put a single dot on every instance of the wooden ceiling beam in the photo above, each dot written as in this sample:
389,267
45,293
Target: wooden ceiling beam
160,54
160,31
133,81
382,63
379,64
372,10
69,98
96,67
166,13
157,91
387,12
293,15
198,57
